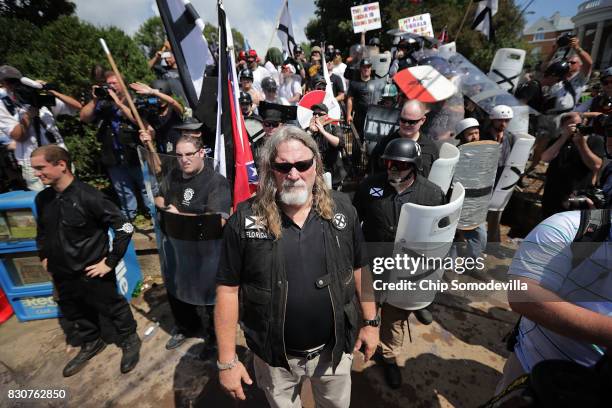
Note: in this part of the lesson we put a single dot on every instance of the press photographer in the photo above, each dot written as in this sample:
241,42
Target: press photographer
27,116
118,135
159,109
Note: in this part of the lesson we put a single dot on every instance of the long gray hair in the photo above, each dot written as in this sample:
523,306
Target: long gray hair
265,206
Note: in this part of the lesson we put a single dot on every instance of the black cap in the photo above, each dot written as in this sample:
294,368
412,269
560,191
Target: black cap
245,97
319,107
277,113
8,72
246,73
189,124
365,62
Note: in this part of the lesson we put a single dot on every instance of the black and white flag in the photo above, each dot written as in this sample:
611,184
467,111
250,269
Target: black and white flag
285,30
184,29
483,20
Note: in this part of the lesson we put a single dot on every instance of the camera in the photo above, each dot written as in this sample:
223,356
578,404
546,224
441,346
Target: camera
34,94
149,107
101,92
579,201
564,39
600,125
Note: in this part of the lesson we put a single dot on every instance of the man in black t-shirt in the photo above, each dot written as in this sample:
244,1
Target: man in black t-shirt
575,161
411,119
190,190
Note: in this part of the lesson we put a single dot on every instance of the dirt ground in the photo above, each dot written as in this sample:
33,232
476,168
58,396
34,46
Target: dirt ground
454,362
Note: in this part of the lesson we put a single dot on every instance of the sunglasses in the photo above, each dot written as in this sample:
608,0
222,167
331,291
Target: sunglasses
186,155
573,62
397,165
319,113
270,124
409,121
300,166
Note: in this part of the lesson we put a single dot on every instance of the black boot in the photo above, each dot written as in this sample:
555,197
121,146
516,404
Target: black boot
424,316
393,375
88,350
131,353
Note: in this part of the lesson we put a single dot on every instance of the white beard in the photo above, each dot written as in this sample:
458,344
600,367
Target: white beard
294,193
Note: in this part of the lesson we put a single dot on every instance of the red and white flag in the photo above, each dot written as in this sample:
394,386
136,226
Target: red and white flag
424,83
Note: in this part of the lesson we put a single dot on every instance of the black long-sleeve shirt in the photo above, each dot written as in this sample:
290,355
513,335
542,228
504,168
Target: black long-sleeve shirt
73,229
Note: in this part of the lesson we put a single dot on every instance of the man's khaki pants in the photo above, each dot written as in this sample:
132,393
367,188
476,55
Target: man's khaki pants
393,327
283,387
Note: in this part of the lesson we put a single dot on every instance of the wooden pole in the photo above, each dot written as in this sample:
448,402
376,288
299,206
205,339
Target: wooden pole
463,21
141,126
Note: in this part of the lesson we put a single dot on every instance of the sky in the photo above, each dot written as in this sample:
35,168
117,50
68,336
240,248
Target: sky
256,18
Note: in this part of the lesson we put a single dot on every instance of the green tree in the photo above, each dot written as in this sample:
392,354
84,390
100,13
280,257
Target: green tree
63,52
38,12
211,33
151,36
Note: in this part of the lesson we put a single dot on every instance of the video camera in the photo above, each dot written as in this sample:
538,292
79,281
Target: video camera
579,200
30,92
564,39
101,92
600,125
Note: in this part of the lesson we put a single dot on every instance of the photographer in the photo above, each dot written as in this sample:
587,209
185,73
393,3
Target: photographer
161,111
27,116
575,160
601,103
119,139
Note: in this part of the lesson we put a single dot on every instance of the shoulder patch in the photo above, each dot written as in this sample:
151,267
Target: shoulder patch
127,228
339,221
376,191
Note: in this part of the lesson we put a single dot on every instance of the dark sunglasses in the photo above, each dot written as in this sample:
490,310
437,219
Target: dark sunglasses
319,113
300,166
573,62
398,165
270,124
409,121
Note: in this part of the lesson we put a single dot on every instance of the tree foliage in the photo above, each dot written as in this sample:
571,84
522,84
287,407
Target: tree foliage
37,12
63,52
151,36
211,33
333,24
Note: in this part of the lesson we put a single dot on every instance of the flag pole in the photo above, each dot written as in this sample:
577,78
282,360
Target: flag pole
276,24
463,21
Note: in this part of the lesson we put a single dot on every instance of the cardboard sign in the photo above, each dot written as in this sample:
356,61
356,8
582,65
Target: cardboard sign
366,17
419,24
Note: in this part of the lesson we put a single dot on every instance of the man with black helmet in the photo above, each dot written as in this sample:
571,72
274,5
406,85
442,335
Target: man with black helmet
246,85
403,55
330,140
270,91
300,60
378,201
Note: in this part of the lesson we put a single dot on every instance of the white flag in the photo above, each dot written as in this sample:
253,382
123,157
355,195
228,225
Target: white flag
485,11
330,100
285,30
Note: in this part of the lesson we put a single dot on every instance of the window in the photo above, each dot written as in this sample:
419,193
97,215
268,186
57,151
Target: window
539,36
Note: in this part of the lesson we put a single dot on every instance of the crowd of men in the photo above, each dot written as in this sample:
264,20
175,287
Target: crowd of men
289,264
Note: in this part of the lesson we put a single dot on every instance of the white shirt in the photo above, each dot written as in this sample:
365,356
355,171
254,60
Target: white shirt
258,75
546,257
26,146
563,98
289,88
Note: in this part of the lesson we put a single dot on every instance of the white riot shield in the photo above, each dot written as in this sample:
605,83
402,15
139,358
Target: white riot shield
476,171
426,233
254,128
443,169
447,50
506,67
381,64
513,169
520,119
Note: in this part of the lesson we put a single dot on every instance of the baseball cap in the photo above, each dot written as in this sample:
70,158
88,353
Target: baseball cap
9,72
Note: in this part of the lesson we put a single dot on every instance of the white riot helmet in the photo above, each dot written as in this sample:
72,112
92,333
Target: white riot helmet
465,124
501,112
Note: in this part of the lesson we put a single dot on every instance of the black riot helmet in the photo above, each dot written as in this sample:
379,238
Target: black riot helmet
404,150
246,73
245,98
557,69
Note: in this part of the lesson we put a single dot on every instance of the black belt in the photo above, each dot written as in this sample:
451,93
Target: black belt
307,354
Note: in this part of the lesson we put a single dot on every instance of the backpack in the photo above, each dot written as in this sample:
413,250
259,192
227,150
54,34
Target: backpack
594,227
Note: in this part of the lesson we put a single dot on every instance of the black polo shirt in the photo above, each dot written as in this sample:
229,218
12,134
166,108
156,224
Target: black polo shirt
309,320
379,205
205,192
365,93
430,152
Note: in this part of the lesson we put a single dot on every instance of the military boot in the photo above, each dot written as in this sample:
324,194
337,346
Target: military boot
131,352
88,350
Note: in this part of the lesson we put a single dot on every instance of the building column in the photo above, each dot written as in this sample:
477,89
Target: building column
596,41
580,34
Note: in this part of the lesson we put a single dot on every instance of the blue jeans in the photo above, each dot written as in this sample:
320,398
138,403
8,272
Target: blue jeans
128,181
475,243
